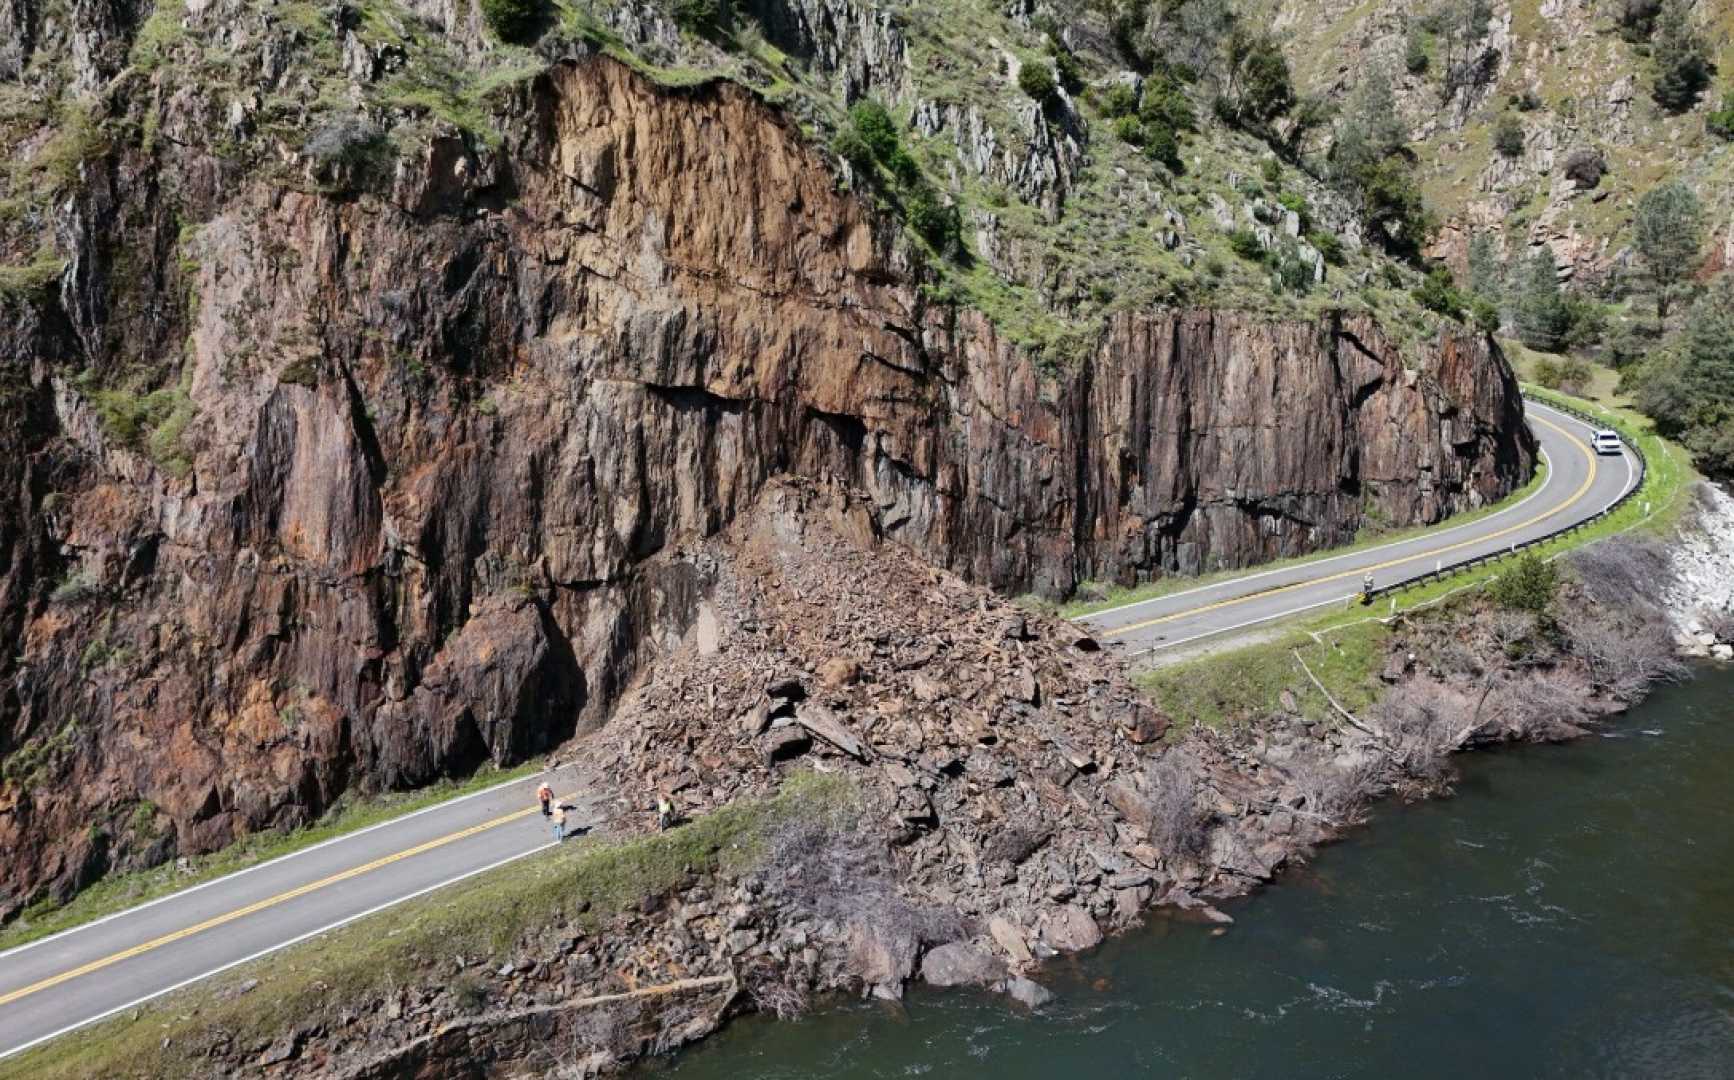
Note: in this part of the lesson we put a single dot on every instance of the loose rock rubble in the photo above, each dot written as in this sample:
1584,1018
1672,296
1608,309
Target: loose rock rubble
1014,797
1702,597
1004,759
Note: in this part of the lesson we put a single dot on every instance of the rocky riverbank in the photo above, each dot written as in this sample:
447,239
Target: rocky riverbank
1702,596
1008,796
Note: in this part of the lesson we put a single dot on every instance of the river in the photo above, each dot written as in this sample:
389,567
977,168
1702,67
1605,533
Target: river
1570,913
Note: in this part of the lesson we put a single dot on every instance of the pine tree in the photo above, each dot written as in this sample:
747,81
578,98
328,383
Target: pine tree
1683,67
1541,315
1668,232
1486,271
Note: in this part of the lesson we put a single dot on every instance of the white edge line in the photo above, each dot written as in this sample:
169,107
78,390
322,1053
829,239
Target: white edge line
1631,476
1527,499
1242,626
189,890
39,1040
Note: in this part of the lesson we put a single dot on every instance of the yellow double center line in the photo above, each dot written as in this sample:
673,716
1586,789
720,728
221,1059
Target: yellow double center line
1577,496
354,872
270,902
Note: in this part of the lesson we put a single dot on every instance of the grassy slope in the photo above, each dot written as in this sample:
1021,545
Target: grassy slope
583,883
118,892
1571,74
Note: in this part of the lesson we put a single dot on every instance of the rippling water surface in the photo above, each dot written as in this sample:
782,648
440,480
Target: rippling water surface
1569,914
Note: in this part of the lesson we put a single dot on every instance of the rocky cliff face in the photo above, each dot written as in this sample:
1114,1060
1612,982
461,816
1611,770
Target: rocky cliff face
423,485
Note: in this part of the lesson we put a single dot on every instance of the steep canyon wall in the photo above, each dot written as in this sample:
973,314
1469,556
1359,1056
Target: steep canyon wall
422,477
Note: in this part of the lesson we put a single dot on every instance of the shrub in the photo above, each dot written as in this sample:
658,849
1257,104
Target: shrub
1178,828
1585,168
1036,79
873,125
1066,67
1165,104
1244,242
1415,58
1485,314
1575,374
78,588
1327,244
934,221
851,147
349,149
903,168
1160,145
1291,272
698,16
1721,122
512,21
1296,203
1508,137
1129,130
1636,18
1121,100
1528,585
1438,292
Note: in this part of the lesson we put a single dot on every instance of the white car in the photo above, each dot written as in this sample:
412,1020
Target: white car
1606,442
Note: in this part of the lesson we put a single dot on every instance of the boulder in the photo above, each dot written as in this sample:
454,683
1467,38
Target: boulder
1006,934
826,724
960,964
1027,992
784,743
882,958
838,672
1072,929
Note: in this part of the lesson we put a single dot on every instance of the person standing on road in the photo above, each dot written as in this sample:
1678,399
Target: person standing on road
545,796
559,819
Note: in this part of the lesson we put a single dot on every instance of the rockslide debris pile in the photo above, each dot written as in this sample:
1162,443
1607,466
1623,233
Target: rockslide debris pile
1023,789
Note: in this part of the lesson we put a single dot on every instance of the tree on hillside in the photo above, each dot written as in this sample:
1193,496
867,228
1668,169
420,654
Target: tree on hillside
1371,162
1636,18
513,21
1668,232
1682,59
1460,26
1486,270
1259,88
1184,36
1689,387
1540,312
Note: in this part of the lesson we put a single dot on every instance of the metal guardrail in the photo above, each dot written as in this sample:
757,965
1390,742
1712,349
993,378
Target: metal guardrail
1443,572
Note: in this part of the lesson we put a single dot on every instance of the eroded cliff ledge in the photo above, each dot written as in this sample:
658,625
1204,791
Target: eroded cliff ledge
440,459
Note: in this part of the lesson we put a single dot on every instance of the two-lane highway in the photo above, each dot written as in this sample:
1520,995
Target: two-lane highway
1578,485
79,976
90,972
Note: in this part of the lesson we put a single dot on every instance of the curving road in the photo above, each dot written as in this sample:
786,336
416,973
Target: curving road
1578,485
106,967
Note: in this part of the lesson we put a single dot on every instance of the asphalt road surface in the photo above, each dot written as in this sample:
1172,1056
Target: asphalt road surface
84,974
94,971
1578,485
